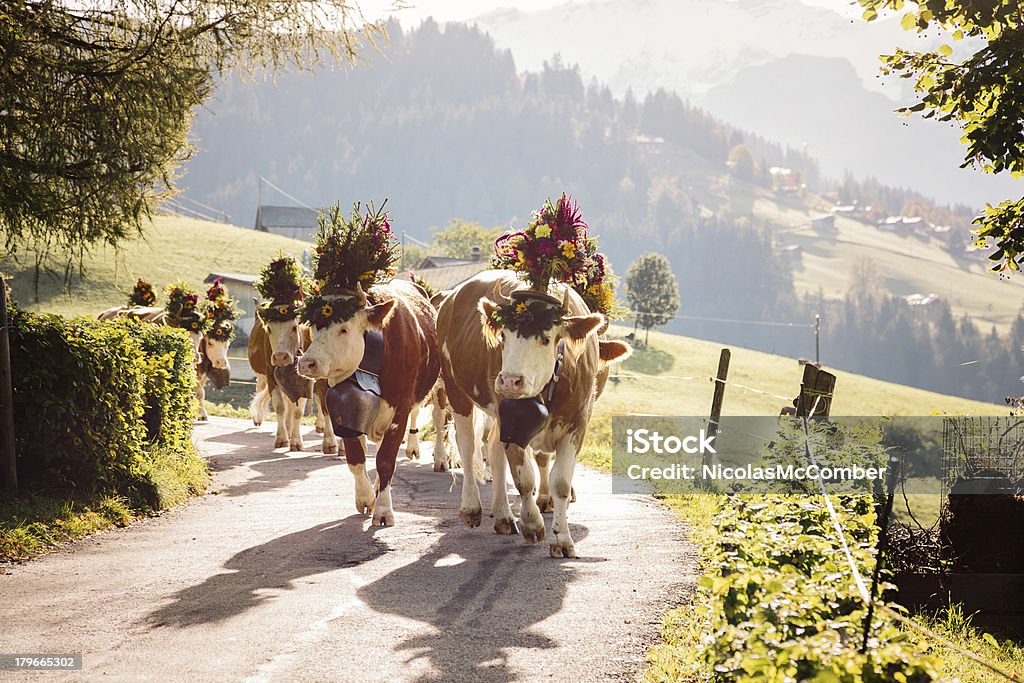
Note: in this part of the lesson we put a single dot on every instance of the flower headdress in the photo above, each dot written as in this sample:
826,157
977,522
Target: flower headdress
182,302
528,317
142,293
221,312
282,285
352,254
430,289
555,246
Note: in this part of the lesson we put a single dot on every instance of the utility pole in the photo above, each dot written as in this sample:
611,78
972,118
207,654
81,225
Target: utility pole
8,457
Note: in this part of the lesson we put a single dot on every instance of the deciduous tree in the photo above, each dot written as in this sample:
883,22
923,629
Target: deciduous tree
651,291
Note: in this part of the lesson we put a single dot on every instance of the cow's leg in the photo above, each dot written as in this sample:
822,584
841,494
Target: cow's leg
355,454
521,463
561,544
412,444
281,403
321,422
485,426
387,457
544,501
330,443
260,400
504,520
295,412
201,397
441,419
470,511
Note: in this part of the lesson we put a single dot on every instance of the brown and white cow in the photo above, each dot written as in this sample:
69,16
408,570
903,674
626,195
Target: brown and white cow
274,344
483,363
213,364
408,371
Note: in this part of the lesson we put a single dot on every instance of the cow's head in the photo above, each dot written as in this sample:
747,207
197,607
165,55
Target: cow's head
528,332
215,348
338,323
282,326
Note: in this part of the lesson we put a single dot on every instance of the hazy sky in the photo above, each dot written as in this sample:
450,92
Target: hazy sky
458,10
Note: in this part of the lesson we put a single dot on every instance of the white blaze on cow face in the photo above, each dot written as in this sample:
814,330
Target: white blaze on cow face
217,353
528,363
284,341
337,350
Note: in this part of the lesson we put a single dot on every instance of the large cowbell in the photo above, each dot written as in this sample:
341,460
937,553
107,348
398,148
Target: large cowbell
354,403
521,419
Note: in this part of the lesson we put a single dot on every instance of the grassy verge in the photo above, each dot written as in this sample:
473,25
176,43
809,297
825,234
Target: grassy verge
678,656
33,524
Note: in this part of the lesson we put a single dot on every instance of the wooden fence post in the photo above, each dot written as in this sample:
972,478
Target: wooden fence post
816,391
716,401
8,463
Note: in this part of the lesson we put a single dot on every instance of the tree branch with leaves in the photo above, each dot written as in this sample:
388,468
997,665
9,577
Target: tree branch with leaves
983,93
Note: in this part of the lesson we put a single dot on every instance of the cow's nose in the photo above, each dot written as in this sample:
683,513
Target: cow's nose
220,364
510,382
307,366
281,358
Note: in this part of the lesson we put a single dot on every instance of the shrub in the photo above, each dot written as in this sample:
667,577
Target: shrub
783,603
104,407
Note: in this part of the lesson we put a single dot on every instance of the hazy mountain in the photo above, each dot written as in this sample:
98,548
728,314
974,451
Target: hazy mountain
786,70
820,101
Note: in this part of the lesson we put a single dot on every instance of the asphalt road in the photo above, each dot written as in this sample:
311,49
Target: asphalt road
273,576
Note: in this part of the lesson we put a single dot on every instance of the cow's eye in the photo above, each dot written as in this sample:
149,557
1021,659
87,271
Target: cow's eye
343,330
295,328
501,336
545,341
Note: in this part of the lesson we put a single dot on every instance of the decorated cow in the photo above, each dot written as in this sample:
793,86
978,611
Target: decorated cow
276,343
376,347
220,313
522,345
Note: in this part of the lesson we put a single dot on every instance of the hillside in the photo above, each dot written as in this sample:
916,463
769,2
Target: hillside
172,247
671,356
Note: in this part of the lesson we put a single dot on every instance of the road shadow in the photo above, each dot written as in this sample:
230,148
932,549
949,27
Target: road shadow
271,566
275,468
482,593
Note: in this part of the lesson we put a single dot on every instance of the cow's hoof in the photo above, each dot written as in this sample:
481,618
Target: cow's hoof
365,506
383,518
562,549
441,465
295,446
533,534
281,443
545,503
505,526
319,429
412,454
203,418
257,423
471,517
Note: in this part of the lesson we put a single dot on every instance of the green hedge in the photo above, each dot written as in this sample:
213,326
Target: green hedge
783,605
104,407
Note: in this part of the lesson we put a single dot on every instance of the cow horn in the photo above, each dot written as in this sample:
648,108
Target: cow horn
565,299
360,293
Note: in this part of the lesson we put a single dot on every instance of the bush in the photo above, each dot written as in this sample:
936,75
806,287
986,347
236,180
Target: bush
783,602
103,408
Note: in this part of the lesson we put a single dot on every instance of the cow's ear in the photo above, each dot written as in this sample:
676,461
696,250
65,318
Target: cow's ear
377,314
614,351
492,330
577,327
258,309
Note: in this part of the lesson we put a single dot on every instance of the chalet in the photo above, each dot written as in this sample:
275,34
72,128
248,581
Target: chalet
824,223
296,222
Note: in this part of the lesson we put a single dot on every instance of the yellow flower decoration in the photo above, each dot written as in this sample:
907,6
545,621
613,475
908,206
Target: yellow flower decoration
520,308
326,310
543,230
568,250
283,310
368,276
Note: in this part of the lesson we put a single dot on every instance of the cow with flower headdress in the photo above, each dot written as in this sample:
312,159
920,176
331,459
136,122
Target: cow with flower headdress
521,344
276,343
220,313
374,342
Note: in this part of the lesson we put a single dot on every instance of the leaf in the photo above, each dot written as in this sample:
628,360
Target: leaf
990,639
945,50
909,21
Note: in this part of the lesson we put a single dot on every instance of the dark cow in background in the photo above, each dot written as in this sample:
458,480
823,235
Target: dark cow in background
408,371
278,344
483,363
